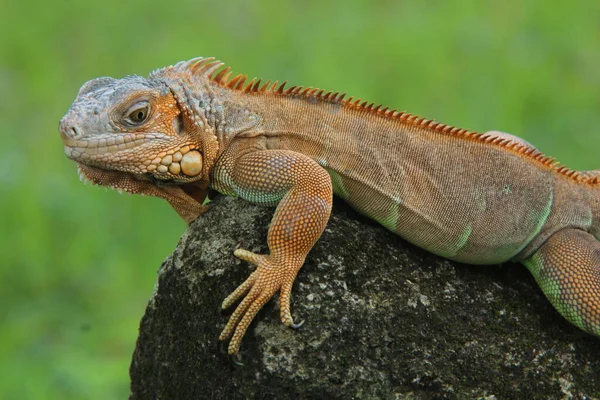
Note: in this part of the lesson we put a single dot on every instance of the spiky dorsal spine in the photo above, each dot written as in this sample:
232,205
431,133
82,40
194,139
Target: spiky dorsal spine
209,67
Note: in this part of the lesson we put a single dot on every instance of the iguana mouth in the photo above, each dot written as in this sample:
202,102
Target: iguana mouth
83,148
182,163
108,147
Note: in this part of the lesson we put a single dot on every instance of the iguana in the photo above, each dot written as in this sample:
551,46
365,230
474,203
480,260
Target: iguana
475,198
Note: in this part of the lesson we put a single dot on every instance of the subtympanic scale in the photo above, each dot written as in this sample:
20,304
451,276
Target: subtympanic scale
191,163
185,160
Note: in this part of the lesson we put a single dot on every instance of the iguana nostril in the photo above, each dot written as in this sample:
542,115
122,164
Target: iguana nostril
68,130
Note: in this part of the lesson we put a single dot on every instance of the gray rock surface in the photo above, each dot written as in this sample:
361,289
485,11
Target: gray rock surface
383,320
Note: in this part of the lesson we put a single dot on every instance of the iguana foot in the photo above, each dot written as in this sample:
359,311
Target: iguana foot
271,275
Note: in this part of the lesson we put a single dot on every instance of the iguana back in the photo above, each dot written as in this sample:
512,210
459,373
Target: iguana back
469,197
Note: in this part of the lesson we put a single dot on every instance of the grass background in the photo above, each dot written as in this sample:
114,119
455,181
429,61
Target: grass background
78,264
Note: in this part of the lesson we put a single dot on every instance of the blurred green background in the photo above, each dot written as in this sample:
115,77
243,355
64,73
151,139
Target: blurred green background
79,264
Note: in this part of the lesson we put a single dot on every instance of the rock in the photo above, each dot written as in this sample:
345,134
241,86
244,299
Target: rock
383,320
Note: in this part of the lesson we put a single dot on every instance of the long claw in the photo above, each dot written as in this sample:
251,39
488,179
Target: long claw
298,325
235,360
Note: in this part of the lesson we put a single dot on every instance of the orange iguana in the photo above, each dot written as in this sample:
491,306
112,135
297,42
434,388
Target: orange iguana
470,197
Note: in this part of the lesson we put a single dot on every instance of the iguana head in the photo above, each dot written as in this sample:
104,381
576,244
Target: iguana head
147,135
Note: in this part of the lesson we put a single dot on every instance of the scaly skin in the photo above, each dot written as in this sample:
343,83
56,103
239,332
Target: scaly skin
474,198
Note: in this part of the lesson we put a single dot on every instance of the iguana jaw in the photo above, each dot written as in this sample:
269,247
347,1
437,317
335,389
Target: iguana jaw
162,156
149,164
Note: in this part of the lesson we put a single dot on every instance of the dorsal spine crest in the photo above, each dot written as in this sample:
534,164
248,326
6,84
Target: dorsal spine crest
210,66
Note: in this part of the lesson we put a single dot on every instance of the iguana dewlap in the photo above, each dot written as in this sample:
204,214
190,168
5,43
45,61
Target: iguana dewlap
470,197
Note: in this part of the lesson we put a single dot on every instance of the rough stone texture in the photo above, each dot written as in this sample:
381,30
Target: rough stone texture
383,320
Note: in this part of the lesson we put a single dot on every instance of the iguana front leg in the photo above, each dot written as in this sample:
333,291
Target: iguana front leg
304,193
567,268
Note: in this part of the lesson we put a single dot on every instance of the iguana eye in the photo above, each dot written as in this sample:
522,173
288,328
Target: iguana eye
138,113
